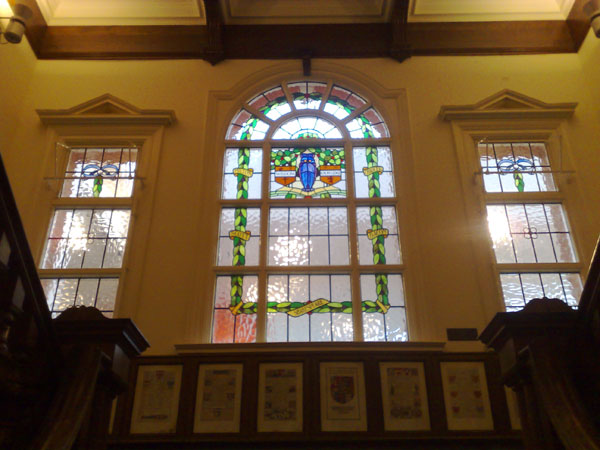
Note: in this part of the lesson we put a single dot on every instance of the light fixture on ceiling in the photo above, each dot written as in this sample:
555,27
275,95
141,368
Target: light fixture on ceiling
17,23
592,10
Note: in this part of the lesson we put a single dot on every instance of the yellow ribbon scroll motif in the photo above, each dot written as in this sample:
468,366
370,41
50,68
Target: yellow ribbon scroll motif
369,170
372,234
245,172
244,235
308,308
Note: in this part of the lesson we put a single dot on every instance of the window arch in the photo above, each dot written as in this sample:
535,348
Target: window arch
309,246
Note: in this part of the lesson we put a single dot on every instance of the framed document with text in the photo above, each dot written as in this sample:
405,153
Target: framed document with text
404,396
466,396
218,398
156,400
343,403
280,397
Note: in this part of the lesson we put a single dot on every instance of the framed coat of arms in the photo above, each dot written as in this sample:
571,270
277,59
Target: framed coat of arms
343,404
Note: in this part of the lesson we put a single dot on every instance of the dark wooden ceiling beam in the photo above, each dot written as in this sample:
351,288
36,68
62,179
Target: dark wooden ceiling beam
400,48
320,41
214,52
578,21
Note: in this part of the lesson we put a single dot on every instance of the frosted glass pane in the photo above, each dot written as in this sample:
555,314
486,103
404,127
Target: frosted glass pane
238,325
385,218
244,163
307,95
339,250
319,222
49,286
65,294
307,127
245,237
319,251
518,289
86,292
298,329
94,253
332,312
74,251
373,172
119,223
115,250
374,327
107,294
61,223
564,247
299,221
277,327
100,223
396,328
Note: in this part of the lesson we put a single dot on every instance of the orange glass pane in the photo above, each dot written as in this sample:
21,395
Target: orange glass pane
223,324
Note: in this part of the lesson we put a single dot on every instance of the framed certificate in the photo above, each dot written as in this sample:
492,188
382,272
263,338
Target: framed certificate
218,398
343,404
156,400
280,397
466,396
404,395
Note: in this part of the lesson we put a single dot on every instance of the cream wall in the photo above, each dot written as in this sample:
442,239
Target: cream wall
175,267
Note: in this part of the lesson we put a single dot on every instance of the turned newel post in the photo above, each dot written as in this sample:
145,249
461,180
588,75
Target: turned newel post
119,341
509,334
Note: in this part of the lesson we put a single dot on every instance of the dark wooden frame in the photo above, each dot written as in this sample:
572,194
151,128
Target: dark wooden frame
216,41
121,438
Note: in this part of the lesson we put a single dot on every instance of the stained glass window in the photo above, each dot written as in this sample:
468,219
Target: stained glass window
526,230
100,172
85,247
516,167
323,229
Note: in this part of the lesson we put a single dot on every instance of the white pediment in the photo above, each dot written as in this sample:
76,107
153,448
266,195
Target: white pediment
106,109
507,104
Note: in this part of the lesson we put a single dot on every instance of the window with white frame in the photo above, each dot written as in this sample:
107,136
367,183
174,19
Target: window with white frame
528,225
83,256
308,247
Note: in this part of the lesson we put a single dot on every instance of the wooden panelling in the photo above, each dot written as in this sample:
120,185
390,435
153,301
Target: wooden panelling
312,433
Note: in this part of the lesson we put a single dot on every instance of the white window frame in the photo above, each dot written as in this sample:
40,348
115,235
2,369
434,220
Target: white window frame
103,122
510,117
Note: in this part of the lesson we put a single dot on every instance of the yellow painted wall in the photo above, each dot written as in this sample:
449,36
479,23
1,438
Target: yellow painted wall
175,267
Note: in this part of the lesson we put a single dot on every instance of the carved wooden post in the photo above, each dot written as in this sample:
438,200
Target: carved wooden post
509,334
119,341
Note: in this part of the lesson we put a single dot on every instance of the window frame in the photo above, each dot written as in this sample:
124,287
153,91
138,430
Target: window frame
527,120
351,202
103,122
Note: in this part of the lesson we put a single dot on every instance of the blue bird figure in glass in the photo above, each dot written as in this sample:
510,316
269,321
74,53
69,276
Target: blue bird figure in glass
307,171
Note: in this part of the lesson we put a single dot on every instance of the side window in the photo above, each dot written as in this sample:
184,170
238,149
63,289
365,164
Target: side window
87,236
528,225
308,247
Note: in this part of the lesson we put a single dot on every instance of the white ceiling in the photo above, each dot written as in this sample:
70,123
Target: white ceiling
188,12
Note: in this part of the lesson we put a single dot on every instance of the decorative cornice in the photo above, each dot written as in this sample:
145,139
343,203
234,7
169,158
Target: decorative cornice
508,104
106,110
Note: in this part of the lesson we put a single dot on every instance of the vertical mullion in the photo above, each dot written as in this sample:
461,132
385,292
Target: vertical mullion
261,309
326,95
353,241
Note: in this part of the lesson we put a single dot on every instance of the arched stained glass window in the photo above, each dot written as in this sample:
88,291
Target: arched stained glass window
312,251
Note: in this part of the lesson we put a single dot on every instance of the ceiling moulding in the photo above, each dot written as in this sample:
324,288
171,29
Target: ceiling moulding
491,10
122,12
508,104
246,12
106,110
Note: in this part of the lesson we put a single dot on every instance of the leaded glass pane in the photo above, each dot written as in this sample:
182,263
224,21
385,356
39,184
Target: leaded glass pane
63,293
307,127
309,308
530,233
373,172
86,238
308,172
520,288
307,94
384,315
272,103
377,230
242,173
239,237
516,167
368,125
315,236
341,102
100,172
246,126
234,316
